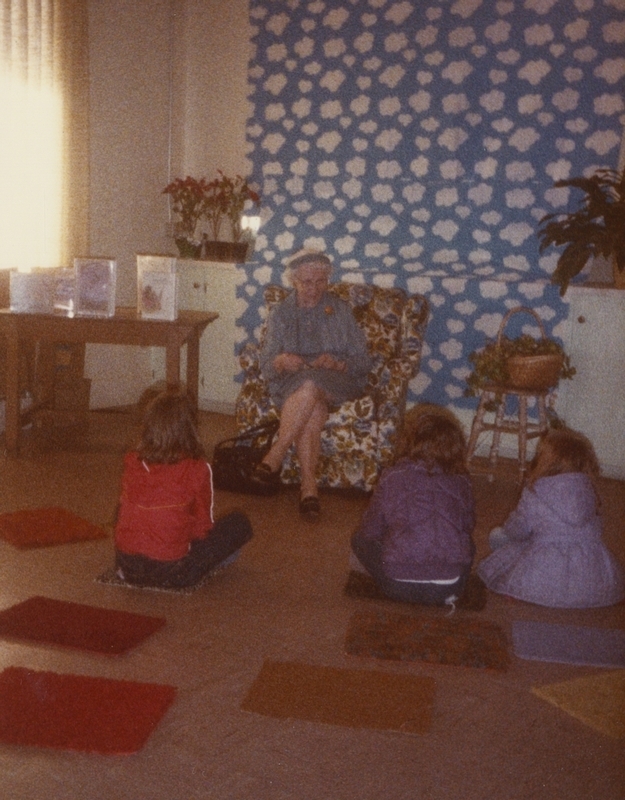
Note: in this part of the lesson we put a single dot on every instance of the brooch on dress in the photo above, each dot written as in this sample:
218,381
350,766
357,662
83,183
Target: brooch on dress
329,310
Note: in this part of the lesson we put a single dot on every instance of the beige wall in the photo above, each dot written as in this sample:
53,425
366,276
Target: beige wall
136,46
129,92
211,57
168,98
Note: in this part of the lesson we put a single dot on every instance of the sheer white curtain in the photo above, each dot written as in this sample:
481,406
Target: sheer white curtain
43,132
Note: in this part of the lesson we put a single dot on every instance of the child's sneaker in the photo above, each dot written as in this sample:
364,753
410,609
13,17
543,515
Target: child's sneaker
226,562
451,602
497,538
355,564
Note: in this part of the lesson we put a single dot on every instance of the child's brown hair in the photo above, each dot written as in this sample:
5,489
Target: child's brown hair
433,435
563,450
169,433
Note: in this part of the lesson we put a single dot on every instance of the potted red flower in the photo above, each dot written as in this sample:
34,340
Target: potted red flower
227,198
223,198
187,196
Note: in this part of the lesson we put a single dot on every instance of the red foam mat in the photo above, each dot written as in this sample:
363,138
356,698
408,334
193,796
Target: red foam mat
77,712
42,527
57,622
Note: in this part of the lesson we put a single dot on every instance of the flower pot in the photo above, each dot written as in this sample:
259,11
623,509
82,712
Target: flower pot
534,372
225,251
188,248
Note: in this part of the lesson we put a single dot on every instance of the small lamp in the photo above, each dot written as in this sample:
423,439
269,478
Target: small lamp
251,224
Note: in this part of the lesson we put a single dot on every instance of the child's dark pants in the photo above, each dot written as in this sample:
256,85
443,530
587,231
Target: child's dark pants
369,553
227,536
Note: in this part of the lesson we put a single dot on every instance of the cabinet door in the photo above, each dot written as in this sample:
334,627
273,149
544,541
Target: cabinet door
207,286
593,402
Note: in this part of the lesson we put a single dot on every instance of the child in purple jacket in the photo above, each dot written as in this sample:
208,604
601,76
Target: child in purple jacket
549,550
415,537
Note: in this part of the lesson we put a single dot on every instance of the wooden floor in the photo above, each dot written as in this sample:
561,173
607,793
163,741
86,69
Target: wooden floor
490,738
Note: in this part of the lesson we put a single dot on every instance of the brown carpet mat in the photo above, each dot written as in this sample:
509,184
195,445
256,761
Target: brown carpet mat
462,642
359,584
597,701
42,527
345,697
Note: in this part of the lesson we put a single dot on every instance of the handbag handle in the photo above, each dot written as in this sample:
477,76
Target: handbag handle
266,427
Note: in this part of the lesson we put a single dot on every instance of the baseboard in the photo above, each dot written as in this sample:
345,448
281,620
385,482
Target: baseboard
509,448
217,407
616,471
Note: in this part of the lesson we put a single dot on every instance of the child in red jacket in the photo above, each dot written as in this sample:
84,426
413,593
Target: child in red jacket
165,535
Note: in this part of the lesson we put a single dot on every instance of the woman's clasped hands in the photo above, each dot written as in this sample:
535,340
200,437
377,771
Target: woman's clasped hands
291,362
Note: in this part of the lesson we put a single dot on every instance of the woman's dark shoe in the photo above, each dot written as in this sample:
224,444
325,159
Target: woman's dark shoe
264,474
309,508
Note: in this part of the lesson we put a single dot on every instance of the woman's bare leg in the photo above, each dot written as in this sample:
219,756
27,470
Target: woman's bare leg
308,446
302,417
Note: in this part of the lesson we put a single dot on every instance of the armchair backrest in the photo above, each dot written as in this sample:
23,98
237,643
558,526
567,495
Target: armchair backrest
394,323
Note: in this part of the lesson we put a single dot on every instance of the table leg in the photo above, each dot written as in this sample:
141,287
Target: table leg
499,415
476,428
12,401
45,372
193,368
172,365
522,434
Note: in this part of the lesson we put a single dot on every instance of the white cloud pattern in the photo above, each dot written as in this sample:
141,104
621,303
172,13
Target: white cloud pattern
419,143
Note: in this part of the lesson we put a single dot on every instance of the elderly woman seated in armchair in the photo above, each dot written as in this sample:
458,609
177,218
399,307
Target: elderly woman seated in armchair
314,356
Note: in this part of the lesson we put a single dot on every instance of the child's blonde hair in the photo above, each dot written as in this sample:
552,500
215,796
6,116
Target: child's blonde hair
432,434
169,433
563,450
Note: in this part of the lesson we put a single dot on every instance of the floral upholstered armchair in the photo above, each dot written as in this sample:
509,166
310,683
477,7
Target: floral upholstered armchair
359,437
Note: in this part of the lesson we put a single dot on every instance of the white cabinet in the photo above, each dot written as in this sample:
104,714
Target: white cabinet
593,402
210,286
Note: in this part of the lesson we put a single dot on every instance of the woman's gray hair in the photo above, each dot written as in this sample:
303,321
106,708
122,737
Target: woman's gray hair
308,257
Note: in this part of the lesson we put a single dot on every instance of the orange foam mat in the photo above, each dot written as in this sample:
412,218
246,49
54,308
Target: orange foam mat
43,527
58,622
350,698
597,701
423,636
77,712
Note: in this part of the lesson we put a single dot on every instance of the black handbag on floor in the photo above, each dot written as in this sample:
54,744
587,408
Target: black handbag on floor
234,460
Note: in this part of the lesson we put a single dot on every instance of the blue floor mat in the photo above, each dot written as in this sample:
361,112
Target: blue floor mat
569,644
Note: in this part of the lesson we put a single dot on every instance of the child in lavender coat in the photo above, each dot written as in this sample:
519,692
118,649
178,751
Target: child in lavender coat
549,550
415,536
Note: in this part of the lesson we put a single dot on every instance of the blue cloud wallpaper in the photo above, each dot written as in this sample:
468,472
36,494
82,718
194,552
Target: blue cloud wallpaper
417,143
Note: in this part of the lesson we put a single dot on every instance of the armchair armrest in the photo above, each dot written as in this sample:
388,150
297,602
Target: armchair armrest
390,396
414,323
249,359
393,381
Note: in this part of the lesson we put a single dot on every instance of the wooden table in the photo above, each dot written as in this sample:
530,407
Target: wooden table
126,327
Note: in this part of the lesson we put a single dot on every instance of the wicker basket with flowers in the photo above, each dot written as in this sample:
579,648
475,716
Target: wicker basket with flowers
523,363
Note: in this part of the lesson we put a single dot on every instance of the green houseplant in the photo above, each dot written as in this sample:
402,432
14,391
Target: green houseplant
520,363
596,228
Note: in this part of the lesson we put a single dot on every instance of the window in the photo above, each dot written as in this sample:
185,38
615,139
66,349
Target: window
44,132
